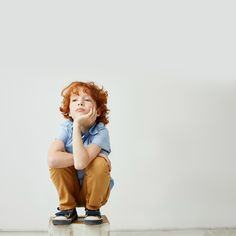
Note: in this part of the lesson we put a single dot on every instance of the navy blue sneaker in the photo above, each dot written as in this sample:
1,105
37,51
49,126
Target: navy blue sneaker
65,217
92,217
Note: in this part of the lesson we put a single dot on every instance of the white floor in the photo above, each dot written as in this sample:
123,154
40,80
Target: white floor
198,232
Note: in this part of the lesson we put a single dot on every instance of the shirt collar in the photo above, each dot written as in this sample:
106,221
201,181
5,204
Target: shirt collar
96,128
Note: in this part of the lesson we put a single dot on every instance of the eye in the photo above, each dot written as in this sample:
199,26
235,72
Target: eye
88,100
74,100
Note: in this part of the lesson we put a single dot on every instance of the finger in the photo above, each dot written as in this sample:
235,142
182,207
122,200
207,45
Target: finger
89,114
93,112
110,166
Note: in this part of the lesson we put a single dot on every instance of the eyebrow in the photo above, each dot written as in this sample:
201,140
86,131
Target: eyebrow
84,95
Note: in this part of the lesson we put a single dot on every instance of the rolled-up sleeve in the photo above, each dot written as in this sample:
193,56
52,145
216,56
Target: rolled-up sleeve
102,139
62,133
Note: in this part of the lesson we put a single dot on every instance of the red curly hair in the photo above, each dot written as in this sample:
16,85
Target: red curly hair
99,95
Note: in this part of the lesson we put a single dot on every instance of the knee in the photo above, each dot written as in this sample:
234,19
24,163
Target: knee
98,166
55,172
60,171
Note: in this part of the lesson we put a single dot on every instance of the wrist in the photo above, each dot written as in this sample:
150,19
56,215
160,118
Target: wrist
76,125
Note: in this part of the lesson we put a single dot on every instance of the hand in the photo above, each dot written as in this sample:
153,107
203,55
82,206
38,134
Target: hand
86,120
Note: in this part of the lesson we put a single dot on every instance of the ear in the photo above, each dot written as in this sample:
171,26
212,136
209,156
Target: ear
98,112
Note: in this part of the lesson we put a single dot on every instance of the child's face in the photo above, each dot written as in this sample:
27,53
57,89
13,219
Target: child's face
81,104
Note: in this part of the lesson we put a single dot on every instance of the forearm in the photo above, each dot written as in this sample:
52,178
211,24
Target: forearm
60,159
80,153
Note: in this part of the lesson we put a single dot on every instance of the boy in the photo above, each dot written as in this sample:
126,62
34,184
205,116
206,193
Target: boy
78,158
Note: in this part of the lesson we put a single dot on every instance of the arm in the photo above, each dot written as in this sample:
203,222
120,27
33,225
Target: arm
57,157
82,155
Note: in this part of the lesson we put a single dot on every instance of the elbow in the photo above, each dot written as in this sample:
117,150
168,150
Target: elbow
79,166
51,162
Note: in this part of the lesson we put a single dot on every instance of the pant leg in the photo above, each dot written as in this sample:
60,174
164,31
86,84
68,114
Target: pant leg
96,184
67,186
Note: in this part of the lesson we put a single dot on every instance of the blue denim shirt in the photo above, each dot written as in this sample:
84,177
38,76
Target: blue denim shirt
97,134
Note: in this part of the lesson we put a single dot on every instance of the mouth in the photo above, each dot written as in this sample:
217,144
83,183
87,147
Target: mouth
80,110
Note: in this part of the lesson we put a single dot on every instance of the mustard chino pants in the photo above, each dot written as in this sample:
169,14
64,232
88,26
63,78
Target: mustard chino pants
94,191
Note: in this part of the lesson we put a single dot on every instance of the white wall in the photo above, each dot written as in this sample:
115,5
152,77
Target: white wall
169,67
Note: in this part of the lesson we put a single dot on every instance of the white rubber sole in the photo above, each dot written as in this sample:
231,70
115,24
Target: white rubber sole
93,220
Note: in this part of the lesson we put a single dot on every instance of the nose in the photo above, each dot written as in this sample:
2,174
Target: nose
80,103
